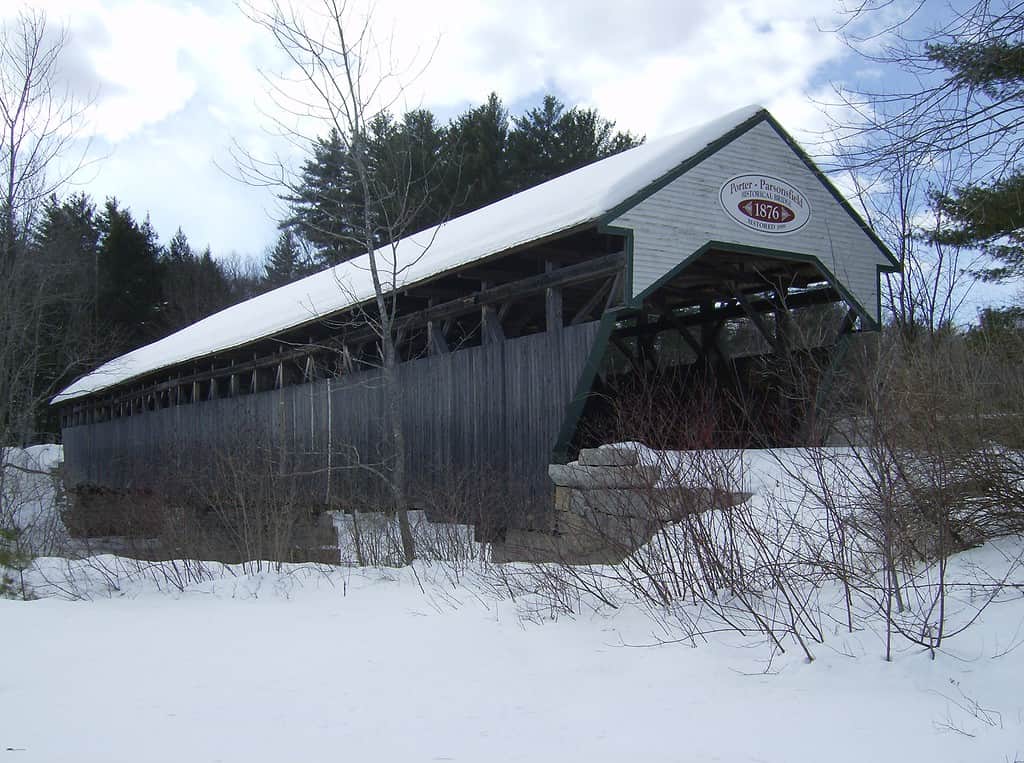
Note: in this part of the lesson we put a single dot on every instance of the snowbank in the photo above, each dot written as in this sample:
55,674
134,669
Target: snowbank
316,664
366,665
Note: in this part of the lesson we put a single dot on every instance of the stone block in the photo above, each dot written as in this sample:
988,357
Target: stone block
607,457
628,503
582,477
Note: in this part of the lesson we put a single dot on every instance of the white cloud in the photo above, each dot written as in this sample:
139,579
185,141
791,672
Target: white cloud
178,81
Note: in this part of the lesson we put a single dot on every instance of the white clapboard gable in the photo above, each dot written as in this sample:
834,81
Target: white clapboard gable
686,215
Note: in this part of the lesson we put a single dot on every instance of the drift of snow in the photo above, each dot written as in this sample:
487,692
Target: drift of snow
319,664
559,205
363,665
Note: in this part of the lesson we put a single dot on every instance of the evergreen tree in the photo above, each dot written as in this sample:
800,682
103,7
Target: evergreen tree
178,249
534,146
549,141
193,285
285,262
129,295
988,215
413,162
421,173
477,171
65,255
326,201
67,238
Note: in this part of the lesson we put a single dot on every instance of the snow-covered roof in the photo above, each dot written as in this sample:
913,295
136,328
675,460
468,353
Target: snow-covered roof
558,205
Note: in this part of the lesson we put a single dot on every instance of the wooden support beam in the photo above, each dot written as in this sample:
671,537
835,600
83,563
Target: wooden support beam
553,317
615,295
585,271
434,291
495,295
683,330
599,296
804,299
490,323
436,342
645,345
755,317
626,350
490,274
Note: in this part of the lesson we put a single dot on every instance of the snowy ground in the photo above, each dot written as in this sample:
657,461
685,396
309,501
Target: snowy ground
403,665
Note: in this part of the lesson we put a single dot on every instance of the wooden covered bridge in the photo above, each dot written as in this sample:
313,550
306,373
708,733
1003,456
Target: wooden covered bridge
507,319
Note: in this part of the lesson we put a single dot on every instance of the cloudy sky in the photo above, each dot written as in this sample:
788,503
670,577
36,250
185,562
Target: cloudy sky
175,84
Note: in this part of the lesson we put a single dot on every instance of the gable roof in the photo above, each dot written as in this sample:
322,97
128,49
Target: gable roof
560,205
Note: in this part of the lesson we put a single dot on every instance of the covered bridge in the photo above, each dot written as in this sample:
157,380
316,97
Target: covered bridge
507,319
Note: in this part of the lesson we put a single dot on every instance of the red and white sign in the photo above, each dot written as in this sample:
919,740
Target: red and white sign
765,204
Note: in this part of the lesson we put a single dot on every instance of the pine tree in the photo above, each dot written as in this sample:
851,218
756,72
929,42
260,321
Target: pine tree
178,249
477,168
987,215
65,253
421,173
549,141
326,202
535,150
130,293
192,286
285,262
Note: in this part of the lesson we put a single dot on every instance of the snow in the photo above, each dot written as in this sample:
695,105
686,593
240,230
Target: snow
559,205
27,498
364,665
331,663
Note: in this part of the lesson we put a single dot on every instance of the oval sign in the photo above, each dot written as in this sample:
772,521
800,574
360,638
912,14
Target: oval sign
765,204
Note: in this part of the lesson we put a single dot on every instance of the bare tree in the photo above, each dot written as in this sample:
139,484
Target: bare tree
946,117
342,78
39,120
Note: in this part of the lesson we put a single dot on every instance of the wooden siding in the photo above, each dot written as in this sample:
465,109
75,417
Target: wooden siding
679,219
495,408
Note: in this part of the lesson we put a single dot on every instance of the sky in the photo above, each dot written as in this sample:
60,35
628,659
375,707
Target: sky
175,85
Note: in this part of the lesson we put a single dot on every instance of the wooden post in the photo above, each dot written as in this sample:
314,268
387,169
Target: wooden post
490,324
436,343
553,303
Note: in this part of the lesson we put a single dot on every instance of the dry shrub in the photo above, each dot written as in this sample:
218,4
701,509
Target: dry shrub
931,469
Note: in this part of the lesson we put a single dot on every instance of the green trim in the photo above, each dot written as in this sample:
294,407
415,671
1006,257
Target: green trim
680,169
574,410
761,116
627,236
606,220
894,264
777,254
